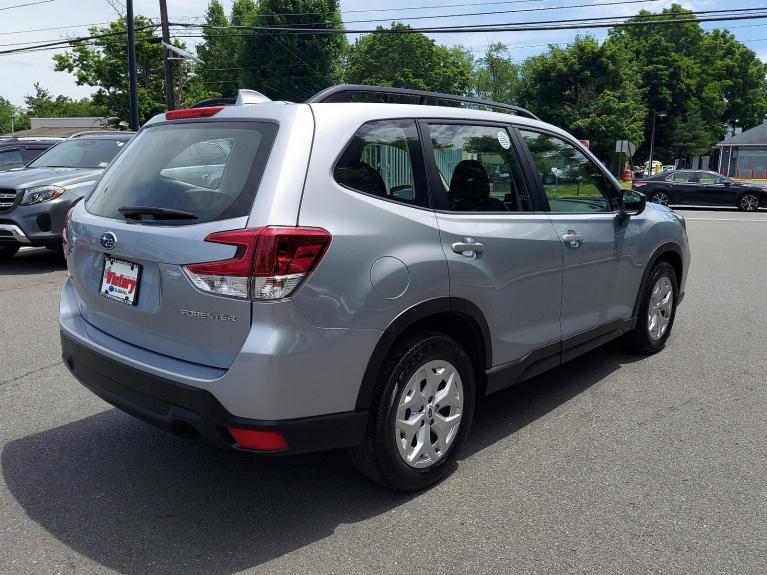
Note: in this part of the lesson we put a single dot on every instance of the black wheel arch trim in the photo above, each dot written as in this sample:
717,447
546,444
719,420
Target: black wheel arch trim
407,320
660,251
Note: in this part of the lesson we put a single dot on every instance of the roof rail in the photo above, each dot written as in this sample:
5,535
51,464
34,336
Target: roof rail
99,133
346,92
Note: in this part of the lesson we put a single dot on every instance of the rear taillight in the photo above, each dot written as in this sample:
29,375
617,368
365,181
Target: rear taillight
193,113
270,263
67,219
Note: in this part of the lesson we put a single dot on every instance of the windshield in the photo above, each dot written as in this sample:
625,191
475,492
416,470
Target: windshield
202,170
80,153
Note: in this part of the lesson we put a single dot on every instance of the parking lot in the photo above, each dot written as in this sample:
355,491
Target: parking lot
613,463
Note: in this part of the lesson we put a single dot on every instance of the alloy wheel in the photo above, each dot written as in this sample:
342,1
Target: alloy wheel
660,309
660,198
429,414
749,203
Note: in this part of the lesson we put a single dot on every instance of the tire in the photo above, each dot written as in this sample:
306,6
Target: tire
645,338
399,401
748,202
661,198
7,252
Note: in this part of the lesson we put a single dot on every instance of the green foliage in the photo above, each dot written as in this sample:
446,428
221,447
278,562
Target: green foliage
409,61
8,111
103,65
221,48
496,77
587,88
703,80
42,104
291,66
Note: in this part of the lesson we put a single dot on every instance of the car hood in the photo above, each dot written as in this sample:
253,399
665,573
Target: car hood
30,177
753,186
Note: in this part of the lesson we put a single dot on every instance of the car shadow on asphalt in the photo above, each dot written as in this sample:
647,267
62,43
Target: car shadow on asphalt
33,261
137,500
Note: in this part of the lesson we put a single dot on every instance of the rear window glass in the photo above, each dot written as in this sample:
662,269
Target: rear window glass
208,169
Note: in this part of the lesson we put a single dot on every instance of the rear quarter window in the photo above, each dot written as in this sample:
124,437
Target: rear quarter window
211,169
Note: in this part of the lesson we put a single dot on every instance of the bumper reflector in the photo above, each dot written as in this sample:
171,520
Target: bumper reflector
258,440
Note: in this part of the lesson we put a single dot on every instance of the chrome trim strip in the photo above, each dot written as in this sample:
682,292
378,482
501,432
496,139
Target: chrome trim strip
16,232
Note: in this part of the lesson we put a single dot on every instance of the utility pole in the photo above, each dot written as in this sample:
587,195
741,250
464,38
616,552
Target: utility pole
168,70
132,68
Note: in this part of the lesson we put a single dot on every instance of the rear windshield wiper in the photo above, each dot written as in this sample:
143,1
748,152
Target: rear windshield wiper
137,212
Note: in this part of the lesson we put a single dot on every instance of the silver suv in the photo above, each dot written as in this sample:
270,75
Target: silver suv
283,278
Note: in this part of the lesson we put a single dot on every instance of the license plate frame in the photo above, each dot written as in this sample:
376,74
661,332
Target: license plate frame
118,286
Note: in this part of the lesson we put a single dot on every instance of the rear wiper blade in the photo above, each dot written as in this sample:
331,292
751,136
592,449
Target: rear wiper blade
136,213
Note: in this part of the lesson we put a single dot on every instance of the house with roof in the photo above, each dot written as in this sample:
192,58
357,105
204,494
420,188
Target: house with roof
744,154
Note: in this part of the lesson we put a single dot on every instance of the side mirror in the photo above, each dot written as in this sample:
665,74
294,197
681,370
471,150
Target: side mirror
727,183
632,203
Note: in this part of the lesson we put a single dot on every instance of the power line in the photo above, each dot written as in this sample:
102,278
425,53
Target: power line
27,4
495,12
568,24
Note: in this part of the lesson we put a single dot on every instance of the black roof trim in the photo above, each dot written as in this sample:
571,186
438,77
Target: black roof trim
344,93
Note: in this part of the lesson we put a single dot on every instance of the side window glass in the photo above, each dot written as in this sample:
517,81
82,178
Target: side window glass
384,159
10,159
572,182
479,168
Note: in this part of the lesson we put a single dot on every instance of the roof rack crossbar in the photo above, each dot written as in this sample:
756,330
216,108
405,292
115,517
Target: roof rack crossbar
344,93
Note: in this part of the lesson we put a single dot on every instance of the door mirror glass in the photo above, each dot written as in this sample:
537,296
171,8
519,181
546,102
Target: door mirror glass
634,202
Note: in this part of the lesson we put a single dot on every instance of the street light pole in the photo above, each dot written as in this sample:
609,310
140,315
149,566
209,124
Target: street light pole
132,68
168,71
655,114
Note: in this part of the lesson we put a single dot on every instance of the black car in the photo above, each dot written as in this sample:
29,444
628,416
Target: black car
702,188
18,152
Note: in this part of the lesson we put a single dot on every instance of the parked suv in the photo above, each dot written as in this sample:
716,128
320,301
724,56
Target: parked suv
284,278
18,152
34,200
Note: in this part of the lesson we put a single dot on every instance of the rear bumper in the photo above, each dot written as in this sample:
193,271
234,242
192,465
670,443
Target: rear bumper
164,403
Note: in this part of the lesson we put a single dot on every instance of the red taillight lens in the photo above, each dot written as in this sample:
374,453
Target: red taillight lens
258,440
270,263
193,113
67,219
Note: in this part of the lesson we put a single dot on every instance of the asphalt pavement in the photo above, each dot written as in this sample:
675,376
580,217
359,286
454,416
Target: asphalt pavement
611,464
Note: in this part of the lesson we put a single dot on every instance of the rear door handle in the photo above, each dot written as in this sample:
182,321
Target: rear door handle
572,238
468,248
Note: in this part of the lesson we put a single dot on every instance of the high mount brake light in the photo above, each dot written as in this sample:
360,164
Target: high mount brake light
270,263
193,113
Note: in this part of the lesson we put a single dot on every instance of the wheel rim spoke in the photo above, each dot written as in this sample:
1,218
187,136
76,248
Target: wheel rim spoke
429,411
660,308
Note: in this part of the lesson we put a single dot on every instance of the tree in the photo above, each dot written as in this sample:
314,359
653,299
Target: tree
11,117
292,66
496,77
409,60
42,104
588,89
102,63
221,49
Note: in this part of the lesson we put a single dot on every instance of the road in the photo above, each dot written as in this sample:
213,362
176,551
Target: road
611,464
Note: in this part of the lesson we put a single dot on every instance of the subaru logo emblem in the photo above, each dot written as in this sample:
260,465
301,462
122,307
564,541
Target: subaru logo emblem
108,240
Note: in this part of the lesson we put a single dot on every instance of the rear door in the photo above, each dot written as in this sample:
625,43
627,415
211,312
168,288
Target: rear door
503,253
600,271
685,187
126,258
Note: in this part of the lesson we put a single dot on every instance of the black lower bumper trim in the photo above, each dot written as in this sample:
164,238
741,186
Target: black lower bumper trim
164,403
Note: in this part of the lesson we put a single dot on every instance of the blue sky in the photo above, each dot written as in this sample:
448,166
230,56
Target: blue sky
18,72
